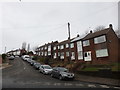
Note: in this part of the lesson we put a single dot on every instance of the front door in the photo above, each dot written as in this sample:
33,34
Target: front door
87,56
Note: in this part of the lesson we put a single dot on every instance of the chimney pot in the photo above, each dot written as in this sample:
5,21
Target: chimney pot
110,25
78,35
90,31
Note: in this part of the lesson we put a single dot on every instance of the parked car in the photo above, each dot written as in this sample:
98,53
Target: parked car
32,62
11,58
26,57
29,60
62,73
45,69
37,65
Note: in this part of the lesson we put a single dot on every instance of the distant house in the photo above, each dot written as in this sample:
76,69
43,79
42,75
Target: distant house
46,50
101,46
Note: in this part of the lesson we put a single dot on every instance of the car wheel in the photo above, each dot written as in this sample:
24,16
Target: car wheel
39,71
60,77
44,73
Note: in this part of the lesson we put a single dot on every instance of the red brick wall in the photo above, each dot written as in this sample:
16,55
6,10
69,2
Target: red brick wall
113,46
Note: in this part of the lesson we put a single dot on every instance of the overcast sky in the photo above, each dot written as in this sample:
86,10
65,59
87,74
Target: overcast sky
38,23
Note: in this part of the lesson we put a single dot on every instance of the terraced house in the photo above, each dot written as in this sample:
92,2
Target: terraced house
46,50
100,47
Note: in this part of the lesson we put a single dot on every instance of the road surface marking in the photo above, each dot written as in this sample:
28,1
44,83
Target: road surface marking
91,85
68,84
24,67
117,87
57,84
104,86
79,84
47,83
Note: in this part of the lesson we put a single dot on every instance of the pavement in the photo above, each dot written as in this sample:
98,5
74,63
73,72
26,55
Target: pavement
21,74
100,80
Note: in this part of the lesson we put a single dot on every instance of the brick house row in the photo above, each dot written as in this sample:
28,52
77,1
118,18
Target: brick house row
18,52
96,48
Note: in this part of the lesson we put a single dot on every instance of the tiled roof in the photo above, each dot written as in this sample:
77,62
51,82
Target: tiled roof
95,34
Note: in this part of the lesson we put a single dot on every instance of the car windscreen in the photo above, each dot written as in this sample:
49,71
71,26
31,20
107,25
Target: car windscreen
47,67
38,64
27,57
63,69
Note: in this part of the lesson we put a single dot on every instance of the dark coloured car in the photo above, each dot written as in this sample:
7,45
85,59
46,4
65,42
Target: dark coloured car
62,73
37,65
32,62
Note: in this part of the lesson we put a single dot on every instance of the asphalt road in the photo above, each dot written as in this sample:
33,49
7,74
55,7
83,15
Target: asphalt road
22,75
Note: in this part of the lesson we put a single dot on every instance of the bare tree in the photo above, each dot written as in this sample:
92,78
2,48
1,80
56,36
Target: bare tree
99,28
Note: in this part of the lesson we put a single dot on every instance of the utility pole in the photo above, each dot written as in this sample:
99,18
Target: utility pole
69,42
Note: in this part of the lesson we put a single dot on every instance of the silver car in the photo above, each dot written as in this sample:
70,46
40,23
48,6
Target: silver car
45,69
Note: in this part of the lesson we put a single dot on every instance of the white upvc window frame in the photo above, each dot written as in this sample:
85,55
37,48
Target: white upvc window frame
54,48
67,45
55,55
62,55
102,53
72,55
80,50
67,54
61,46
97,39
86,43
72,45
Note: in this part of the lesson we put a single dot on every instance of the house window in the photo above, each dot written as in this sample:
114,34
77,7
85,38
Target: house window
80,55
45,47
79,50
62,47
42,54
45,53
67,54
39,53
86,43
72,45
55,55
49,52
102,53
49,48
62,55
58,53
54,48
72,56
67,45
58,47
100,39
42,48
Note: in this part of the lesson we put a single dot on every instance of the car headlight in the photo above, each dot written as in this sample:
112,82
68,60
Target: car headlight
72,74
46,70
